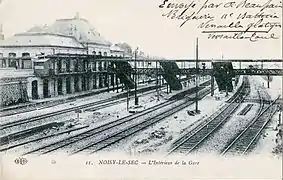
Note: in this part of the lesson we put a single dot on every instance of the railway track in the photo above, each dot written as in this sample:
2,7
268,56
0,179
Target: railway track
33,130
34,107
93,106
111,126
90,106
245,141
191,140
124,133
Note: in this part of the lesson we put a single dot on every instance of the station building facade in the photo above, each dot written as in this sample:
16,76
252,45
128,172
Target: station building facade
66,73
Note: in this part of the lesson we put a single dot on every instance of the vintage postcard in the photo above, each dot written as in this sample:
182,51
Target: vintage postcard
141,90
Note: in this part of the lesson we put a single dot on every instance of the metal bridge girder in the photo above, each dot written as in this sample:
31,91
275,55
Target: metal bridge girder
149,71
192,71
272,72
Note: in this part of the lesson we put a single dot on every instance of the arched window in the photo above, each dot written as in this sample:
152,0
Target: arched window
45,88
93,52
12,62
34,89
105,54
26,61
26,54
12,54
100,53
2,61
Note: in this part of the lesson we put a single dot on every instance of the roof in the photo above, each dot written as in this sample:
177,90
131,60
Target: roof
116,48
79,28
41,39
75,32
37,28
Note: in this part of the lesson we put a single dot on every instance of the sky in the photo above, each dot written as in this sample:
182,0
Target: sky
139,23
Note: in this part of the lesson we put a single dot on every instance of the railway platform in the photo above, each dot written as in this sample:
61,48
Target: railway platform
58,99
52,101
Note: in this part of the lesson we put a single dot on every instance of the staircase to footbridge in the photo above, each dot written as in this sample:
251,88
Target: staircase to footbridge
127,70
223,71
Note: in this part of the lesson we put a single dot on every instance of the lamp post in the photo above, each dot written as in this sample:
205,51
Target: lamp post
212,80
197,72
87,43
87,47
157,92
227,74
136,98
128,98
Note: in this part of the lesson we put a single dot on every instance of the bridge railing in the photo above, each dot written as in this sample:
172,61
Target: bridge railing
191,71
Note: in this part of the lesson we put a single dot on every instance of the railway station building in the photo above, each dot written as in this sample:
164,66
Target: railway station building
29,57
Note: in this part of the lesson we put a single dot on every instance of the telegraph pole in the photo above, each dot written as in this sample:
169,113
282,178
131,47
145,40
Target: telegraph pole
157,81
107,74
136,98
87,52
212,80
197,72
128,98
87,48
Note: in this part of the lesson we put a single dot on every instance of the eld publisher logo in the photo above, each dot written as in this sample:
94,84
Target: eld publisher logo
21,161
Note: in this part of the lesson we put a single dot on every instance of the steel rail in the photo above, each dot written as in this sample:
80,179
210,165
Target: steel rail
49,104
191,140
243,141
124,133
94,105
111,101
92,108
94,131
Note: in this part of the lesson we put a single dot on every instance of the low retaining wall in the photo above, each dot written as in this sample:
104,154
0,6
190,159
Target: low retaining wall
13,91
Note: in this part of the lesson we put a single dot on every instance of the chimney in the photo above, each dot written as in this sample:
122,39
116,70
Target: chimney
1,32
77,15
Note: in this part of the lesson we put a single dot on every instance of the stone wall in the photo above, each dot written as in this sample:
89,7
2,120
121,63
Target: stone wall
13,91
